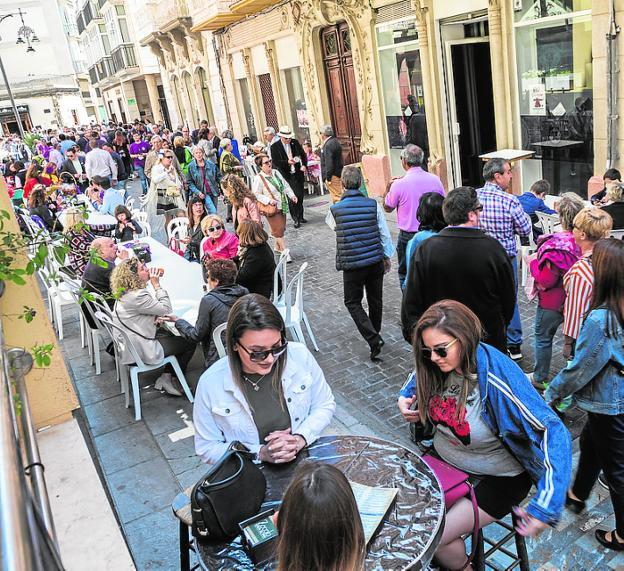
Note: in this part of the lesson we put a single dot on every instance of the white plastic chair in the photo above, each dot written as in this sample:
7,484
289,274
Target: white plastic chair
217,332
179,222
201,247
121,339
99,304
548,222
617,234
130,203
180,232
59,296
292,311
280,272
524,251
147,229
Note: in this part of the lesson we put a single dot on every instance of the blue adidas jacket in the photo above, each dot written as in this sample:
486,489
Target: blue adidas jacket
529,429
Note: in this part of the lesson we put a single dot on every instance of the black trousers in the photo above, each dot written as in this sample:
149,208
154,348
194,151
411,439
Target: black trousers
296,210
355,282
602,448
404,238
182,348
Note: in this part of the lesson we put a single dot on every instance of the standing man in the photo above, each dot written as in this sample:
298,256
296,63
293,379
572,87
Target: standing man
363,251
138,151
503,218
331,162
464,264
203,124
291,161
74,164
122,175
99,162
269,137
404,195
56,156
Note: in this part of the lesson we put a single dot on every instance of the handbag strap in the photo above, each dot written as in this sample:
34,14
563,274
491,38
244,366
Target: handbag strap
475,528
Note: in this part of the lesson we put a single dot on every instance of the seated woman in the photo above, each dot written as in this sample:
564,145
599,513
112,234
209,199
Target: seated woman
126,228
220,277
34,176
256,259
615,204
319,524
556,254
429,215
78,239
221,243
137,310
489,422
196,212
612,175
38,206
269,394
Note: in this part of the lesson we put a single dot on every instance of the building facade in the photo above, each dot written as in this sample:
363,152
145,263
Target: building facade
125,76
45,82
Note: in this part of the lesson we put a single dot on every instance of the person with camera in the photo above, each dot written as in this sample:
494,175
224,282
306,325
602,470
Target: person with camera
268,394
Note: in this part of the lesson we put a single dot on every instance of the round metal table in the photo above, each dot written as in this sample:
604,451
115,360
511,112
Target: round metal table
412,528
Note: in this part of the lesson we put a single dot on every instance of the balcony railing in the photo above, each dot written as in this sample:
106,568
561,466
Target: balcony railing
123,57
93,75
104,68
169,10
80,23
90,12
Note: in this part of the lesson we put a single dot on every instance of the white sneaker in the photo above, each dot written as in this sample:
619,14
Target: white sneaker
164,383
288,259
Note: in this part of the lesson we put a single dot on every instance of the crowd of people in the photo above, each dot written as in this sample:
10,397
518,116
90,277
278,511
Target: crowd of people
458,263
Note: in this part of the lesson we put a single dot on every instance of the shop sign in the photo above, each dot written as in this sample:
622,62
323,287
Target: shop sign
537,100
132,101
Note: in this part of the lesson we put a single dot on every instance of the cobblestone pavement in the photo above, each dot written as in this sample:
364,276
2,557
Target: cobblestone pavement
145,464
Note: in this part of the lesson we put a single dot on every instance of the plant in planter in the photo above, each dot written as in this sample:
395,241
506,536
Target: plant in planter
558,79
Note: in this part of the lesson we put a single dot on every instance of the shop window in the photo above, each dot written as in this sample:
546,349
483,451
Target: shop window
250,123
296,103
554,61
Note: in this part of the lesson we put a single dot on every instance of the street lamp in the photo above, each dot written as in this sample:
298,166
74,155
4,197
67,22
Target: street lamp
25,35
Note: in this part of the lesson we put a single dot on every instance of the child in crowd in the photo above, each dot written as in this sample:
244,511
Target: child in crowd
612,175
126,227
533,202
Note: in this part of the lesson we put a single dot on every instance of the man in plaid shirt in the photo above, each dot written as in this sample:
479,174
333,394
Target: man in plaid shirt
502,218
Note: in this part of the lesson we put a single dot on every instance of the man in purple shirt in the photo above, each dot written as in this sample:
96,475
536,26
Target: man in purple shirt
138,151
404,195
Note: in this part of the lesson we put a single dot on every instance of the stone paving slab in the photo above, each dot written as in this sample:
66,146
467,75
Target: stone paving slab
143,473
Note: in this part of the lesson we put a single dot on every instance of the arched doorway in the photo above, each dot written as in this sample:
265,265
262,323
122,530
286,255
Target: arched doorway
202,78
342,89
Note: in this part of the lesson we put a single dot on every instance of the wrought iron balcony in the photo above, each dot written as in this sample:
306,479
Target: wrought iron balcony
104,68
123,57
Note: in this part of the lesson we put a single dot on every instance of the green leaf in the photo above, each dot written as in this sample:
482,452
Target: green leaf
17,280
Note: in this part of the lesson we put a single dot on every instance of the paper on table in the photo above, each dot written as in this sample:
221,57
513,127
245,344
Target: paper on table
372,503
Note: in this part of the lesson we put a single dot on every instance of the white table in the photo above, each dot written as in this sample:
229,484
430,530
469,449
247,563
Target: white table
183,280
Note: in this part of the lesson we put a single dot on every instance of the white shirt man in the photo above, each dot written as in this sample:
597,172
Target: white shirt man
100,163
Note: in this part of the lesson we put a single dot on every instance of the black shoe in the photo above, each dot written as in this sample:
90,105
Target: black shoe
297,224
303,220
613,543
575,506
603,481
515,352
375,350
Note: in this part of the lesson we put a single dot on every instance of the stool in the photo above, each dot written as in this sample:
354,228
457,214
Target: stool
518,559
181,507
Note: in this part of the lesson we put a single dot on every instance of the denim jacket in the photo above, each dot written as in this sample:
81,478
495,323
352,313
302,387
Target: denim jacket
532,432
595,375
221,413
196,182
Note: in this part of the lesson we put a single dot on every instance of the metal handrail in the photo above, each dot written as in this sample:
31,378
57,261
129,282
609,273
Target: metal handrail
27,535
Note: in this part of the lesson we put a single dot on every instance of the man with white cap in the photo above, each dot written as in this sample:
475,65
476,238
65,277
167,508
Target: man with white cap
291,161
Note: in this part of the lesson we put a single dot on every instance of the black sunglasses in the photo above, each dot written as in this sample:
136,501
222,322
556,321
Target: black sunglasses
441,352
267,162
213,228
258,356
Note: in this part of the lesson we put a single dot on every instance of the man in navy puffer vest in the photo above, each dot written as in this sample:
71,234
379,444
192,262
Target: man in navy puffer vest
363,251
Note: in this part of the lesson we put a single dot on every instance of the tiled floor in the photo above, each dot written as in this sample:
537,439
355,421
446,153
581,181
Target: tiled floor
146,463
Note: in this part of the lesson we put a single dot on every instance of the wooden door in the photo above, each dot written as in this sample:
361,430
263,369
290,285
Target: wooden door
342,92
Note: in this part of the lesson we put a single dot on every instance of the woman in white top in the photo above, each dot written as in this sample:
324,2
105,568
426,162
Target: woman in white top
272,191
166,192
268,394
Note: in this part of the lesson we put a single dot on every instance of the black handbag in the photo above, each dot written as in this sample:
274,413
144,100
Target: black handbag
232,491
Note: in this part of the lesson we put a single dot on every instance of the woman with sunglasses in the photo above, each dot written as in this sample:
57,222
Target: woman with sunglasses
488,421
273,193
268,394
220,244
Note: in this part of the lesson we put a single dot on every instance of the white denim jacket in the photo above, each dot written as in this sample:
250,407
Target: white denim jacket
221,413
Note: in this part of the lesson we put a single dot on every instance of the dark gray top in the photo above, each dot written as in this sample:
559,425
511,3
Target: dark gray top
267,411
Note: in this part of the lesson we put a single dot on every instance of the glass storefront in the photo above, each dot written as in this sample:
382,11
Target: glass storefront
402,88
250,124
554,61
296,103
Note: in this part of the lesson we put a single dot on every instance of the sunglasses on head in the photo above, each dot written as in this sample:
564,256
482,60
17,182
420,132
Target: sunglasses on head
213,228
258,356
267,162
441,351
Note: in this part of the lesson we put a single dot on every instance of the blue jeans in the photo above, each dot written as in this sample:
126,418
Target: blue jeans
514,329
143,178
546,324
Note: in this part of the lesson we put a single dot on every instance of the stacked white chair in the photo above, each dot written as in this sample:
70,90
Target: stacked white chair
217,339
279,275
549,223
180,223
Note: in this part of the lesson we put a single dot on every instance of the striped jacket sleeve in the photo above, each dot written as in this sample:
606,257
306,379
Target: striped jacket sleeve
578,285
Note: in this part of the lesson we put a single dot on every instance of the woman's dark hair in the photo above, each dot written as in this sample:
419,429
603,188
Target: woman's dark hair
429,212
456,320
254,312
37,196
121,209
612,174
251,234
189,209
203,133
259,158
608,264
319,524
34,171
224,271
18,166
